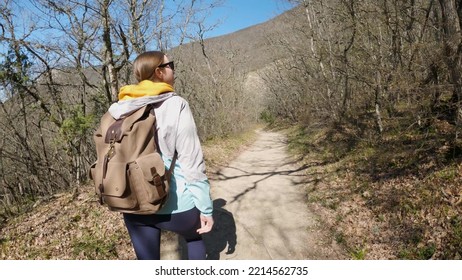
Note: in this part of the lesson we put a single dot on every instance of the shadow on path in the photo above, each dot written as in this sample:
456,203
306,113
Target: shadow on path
223,235
295,172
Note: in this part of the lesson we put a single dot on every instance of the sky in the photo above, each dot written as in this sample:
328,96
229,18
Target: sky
235,15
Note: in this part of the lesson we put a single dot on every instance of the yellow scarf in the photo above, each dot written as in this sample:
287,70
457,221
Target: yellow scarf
144,88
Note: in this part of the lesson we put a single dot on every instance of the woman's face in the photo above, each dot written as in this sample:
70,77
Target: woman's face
167,73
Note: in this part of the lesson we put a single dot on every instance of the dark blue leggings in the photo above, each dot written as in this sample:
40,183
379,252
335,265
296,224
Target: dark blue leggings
144,231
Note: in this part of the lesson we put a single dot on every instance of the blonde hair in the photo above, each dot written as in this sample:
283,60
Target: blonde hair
144,66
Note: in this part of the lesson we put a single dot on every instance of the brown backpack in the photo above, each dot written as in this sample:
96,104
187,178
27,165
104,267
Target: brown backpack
129,174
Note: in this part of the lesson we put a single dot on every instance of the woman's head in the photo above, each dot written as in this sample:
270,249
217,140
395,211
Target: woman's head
154,66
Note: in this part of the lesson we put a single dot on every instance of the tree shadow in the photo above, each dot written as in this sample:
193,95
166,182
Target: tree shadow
223,235
295,172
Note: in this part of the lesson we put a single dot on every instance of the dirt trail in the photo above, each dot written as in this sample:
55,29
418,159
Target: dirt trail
260,208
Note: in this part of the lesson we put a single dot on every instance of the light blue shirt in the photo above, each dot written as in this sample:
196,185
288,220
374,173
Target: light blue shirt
184,196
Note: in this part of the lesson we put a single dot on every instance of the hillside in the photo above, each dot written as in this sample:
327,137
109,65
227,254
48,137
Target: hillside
252,48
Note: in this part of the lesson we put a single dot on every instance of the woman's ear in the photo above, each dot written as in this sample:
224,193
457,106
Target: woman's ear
159,75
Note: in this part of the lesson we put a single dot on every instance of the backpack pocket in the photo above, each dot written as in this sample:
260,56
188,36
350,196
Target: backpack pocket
115,191
147,174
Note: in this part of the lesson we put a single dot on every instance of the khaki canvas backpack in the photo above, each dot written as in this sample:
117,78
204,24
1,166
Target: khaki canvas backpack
129,174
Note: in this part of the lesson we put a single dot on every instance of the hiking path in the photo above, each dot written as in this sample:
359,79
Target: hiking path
260,208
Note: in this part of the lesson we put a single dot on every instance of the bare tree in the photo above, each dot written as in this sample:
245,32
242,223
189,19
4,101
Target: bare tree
452,42
365,58
59,74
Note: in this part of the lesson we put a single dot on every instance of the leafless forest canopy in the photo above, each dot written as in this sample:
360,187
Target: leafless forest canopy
375,65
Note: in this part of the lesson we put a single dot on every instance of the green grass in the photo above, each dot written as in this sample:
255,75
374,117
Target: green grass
447,174
358,254
95,247
340,238
413,253
456,238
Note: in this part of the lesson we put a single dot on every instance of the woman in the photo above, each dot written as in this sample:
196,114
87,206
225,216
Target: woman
188,210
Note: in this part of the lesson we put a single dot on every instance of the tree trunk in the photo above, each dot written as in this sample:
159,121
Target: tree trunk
108,53
453,54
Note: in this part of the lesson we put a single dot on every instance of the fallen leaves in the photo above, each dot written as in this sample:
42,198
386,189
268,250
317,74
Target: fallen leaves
67,228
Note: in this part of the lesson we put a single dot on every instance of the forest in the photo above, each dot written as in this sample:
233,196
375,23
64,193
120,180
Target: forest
372,84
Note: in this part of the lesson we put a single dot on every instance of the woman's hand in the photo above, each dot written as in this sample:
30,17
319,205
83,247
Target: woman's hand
206,224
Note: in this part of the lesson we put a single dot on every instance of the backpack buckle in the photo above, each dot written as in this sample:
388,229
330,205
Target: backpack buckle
111,151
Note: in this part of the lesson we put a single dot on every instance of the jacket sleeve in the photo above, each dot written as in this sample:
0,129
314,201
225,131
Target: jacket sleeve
191,160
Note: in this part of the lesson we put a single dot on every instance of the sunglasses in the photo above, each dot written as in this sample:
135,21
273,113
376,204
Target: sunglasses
169,64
